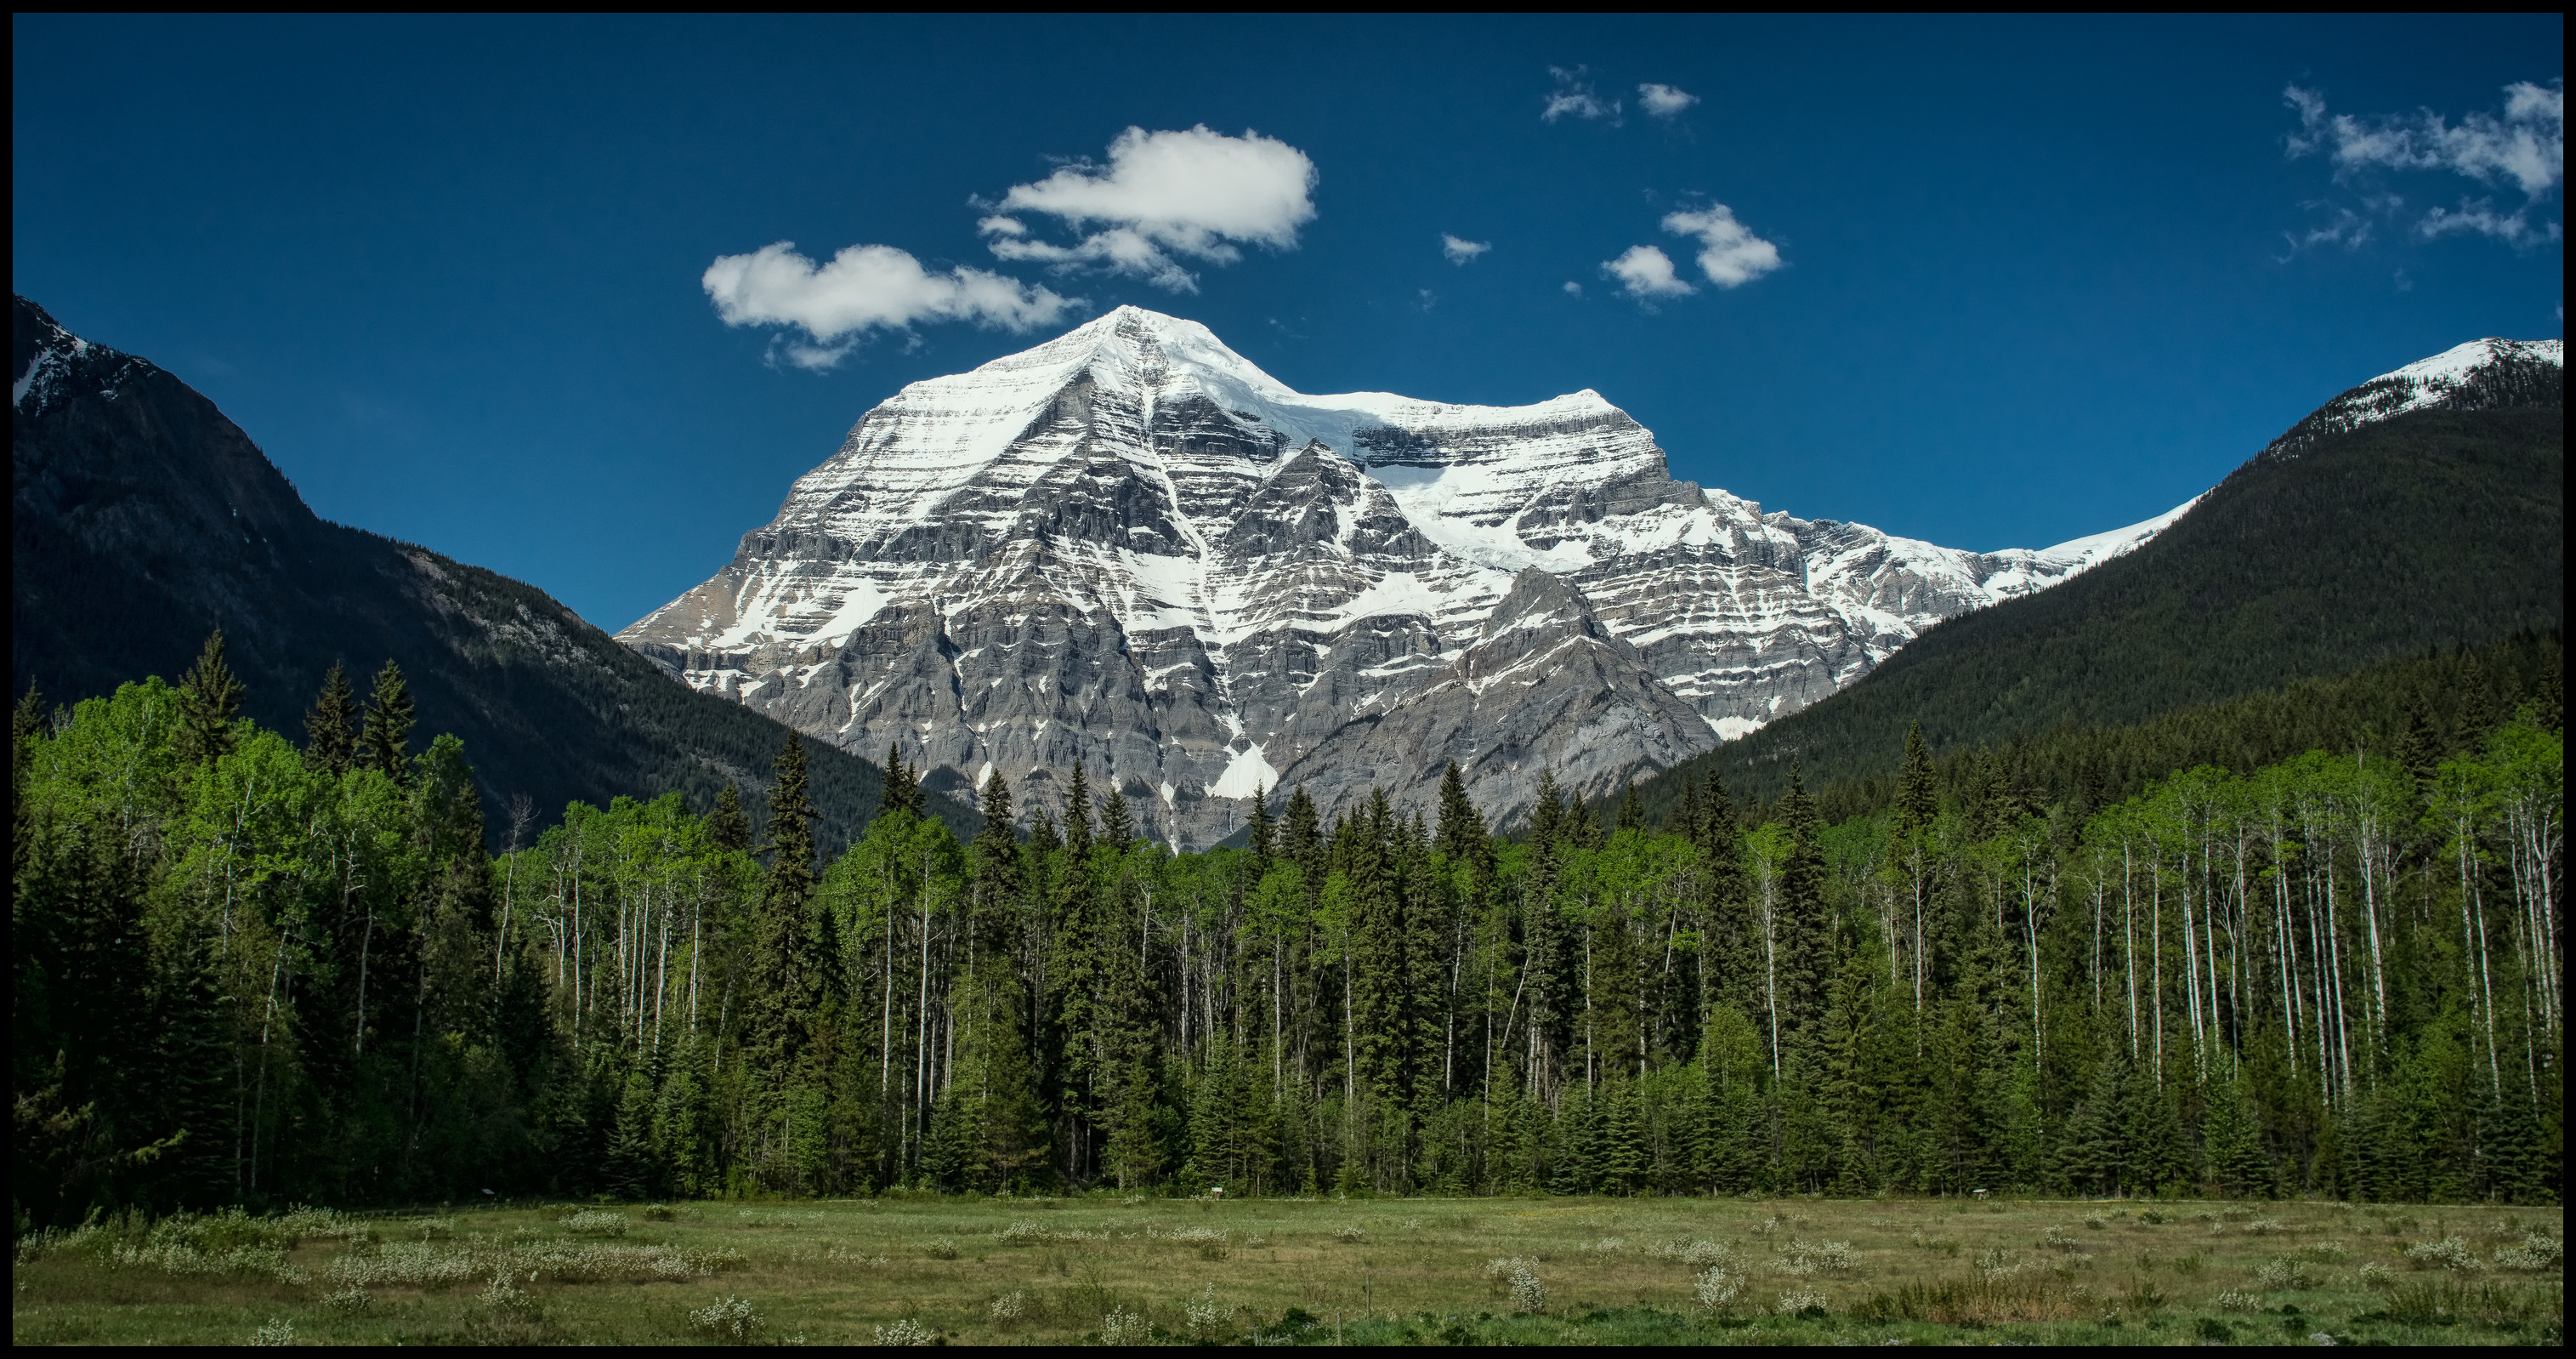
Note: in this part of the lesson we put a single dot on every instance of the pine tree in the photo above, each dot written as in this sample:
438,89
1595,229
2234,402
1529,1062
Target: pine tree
331,728
384,743
727,827
210,697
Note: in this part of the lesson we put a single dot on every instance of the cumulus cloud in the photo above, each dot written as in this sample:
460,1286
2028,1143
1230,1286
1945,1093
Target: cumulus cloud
2524,143
1573,98
1663,101
1460,251
864,288
1573,289
1646,273
1163,198
1730,254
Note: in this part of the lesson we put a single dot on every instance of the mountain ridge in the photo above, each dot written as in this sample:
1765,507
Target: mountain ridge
2420,510
142,517
1131,548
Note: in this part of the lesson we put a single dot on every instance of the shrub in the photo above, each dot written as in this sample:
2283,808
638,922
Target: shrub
941,1249
1716,1289
2536,1254
731,1318
906,1332
2448,1253
1122,1327
2239,1302
1803,1258
1008,1308
1207,1315
595,1222
1799,1302
1350,1235
350,1299
1529,1294
2284,1272
278,1331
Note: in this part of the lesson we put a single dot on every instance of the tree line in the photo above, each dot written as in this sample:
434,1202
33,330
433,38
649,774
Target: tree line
248,971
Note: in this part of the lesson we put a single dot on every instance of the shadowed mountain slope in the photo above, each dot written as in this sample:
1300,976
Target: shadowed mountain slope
141,518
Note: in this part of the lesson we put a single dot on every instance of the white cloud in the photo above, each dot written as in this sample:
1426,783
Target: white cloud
2526,144
1663,101
2478,217
1646,273
1164,197
1573,289
1573,98
1730,254
1461,251
864,288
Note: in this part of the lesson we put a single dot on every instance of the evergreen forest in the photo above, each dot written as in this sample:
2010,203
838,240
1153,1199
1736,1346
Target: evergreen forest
258,969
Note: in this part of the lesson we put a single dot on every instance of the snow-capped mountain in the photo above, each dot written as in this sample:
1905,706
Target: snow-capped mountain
1130,547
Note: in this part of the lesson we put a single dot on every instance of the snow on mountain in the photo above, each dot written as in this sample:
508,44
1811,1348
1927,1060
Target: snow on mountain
2474,376
1131,547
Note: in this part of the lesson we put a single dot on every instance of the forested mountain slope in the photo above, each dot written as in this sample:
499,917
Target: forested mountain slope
2342,544
141,518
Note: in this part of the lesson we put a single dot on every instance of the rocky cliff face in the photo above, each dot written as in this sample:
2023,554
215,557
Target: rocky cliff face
1132,549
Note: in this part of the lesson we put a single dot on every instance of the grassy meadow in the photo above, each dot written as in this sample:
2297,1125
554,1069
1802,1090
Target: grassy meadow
1432,1271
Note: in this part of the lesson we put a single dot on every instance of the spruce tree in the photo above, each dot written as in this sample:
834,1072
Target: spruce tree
1632,810
384,743
1379,978
2477,710
2090,1151
1263,833
2549,697
785,983
210,697
1430,921
331,728
727,827
1117,827
901,793
1804,935
1461,836
1622,1153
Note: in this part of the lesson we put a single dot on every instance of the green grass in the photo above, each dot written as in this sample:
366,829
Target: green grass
1389,1271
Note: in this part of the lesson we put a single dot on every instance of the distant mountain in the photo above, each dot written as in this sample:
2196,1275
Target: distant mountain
141,518
1131,550
2422,509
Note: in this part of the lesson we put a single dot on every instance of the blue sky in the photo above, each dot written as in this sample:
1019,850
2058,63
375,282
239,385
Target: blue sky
2026,279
